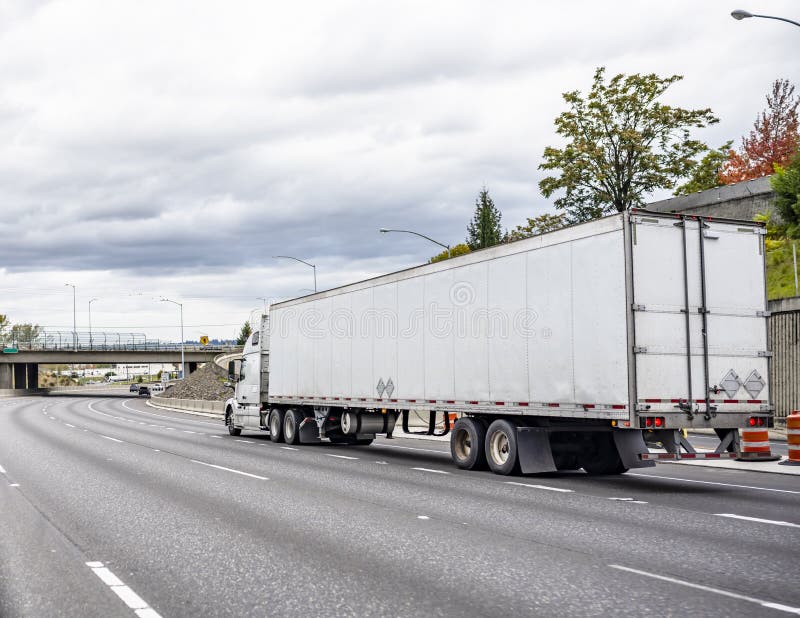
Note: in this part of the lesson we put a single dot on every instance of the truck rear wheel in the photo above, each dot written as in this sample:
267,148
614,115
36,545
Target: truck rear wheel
229,422
291,426
467,444
501,447
276,425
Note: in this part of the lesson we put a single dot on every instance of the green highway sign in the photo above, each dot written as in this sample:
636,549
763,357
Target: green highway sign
10,350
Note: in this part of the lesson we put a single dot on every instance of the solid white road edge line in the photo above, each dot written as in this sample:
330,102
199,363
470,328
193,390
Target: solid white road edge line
547,487
340,456
732,595
675,478
128,596
210,465
759,520
110,438
431,470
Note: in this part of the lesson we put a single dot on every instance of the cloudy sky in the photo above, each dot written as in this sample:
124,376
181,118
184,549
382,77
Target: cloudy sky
172,148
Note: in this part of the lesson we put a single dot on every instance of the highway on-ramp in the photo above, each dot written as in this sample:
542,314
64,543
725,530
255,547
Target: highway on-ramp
109,507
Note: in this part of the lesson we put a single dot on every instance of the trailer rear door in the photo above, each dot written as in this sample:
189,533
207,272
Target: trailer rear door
699,314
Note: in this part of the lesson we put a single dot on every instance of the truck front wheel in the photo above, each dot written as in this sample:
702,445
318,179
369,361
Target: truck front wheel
276,425
501,447
467,444
229,422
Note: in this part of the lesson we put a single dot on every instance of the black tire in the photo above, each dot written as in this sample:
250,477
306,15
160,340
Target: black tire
291,426
229,422
502,448
276,425
467,440
604,459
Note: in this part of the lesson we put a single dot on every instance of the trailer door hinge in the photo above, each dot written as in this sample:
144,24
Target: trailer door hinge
763,314
764,353
639,349
635,307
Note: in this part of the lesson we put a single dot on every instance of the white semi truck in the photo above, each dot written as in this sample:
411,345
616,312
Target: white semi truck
572,349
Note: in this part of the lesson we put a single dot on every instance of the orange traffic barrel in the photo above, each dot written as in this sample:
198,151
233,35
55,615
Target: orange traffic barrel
793,437
755,446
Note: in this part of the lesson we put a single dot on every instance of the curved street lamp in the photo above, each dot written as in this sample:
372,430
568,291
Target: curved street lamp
90,322
183,364
384,230
739,15
289,257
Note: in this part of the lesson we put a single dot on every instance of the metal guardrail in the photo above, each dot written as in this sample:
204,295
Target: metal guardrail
105,341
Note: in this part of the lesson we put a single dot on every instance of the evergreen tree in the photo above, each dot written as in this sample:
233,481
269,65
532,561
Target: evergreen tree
244,334
786,184
484,230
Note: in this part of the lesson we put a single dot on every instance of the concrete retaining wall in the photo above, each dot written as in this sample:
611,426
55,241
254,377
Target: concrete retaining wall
193,405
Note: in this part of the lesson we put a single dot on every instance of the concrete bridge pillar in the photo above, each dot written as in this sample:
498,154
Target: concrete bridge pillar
20,376
6,376
32,369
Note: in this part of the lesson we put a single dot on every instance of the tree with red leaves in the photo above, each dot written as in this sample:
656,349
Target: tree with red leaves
773,140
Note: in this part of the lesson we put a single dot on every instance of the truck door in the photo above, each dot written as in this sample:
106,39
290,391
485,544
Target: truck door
699,315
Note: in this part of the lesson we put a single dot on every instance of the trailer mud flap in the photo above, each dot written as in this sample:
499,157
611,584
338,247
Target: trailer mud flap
309,432
630,444
533,450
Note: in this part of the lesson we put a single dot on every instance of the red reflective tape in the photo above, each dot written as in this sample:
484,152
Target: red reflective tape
689,456
553,405
674,400
473,403
712,455
499,403
588,405
730,401
393,400
412,401
362,398
617,406
522,403
755,401
431,401
652,401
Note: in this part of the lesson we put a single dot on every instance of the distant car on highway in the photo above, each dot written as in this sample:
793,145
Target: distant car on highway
144,391
157,388
134,388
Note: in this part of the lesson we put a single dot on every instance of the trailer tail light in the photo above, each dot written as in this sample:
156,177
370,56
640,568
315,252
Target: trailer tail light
659,421
653,422
756,421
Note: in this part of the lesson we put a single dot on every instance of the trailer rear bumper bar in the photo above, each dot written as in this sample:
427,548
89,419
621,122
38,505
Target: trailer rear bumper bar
674,456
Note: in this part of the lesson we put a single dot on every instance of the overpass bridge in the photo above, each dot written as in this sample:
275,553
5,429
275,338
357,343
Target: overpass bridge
20,360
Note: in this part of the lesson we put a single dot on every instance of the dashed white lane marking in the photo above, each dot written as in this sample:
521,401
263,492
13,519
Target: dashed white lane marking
422,517
128,596
68,425
214,436
340,456
289,448
210,465
411,448
631,500
13,484
245,441
431,470
759,520
675,478
110,438
187,431
3,470
547,487
725,593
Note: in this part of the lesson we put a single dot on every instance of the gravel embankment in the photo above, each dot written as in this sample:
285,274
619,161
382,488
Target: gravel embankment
206,383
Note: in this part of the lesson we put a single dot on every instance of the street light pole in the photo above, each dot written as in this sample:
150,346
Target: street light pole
91,345
739,15
289,257
183,364
384,230
74,319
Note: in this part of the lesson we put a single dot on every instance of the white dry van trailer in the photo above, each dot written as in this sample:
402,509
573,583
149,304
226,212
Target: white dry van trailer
572,349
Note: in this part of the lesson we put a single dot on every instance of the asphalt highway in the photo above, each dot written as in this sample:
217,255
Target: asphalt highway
109,507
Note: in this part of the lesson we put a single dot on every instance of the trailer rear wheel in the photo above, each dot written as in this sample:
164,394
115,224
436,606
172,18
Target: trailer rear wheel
501,447
466,444
276,425
291,426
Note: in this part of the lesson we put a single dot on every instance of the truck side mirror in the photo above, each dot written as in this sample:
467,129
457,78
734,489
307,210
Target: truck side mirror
232,377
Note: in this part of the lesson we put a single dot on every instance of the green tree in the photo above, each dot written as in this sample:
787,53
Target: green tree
455,251
484,230
542,224
786,184
24,332
244,333
706,174
622,144
3,326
